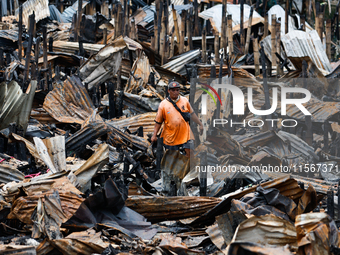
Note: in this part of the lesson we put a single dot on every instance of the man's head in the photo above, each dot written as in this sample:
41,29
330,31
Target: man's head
173,89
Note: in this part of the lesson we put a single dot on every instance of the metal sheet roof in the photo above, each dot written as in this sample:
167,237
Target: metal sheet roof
280,13
215,14
39,7
299,44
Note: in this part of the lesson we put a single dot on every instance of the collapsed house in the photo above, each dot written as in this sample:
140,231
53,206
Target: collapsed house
80,85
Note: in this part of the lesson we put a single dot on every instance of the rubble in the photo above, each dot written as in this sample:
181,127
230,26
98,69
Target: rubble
80,85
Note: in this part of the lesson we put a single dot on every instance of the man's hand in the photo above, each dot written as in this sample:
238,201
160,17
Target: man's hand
201,129
154,139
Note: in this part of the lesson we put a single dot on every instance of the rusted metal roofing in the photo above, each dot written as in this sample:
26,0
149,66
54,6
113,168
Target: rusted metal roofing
160,208
214,14
104,64
133,123
70,102
9,34
319,110
39,7
15,105
9,174
299,44
177,65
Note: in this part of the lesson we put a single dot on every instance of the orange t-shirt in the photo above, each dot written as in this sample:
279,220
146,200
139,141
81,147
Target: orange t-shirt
175,130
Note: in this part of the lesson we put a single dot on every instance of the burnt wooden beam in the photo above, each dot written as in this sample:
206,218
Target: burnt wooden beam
204,46
279,69
273,41
256,56
189,30
196,21
309,131
246,49
286,16
112,100
230,34
29,47
20,33
174,15
265,31
159,153
241,23
330,203
216,46
329,38
203,174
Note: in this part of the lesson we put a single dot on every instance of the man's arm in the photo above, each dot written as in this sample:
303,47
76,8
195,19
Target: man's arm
155,131
197,121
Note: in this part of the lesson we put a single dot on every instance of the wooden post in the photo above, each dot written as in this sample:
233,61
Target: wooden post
286,16
230,34
196,21
189,31
174,15
162,46
156,46
44,30
153,43
79,15
216,47
265,32
303,22
204,46
112,100
36,53
330,203
159,20
159,153
325,136
328,38
279,70
20,33
105,36
223,28
29,47
256,56
183,23
273,41
172,46
246,49
241,23
1,57
309,132
203,174
133,33
265,84
320,23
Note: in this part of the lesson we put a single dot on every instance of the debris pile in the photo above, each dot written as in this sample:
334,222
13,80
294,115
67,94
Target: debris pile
80,85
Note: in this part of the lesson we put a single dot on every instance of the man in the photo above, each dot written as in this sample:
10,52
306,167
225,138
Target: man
176,131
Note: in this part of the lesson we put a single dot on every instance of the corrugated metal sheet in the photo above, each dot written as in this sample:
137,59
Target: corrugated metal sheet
39,7
9,174
69,102
299,44
319,110
178,64
145,120
214,14
280,13
15,106
9,34
68,13
104,64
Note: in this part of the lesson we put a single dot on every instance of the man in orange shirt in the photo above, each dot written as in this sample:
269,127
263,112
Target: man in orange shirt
176,131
